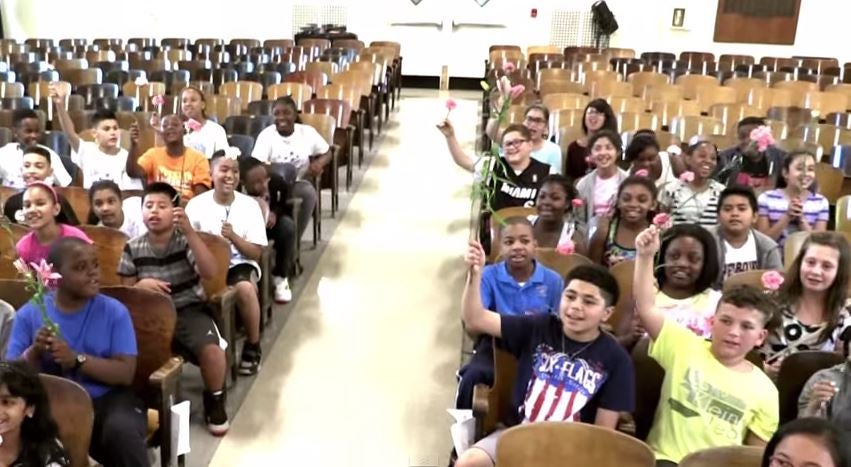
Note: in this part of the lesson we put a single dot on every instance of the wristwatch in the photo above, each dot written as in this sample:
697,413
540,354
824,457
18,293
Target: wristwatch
79,360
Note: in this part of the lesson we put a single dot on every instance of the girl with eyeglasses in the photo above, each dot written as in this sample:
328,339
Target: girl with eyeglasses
536,118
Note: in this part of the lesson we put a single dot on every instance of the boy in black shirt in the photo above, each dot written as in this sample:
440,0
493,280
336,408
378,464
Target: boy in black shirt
744,165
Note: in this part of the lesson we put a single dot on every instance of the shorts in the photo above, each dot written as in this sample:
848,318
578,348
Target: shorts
195,329
242,272
488,443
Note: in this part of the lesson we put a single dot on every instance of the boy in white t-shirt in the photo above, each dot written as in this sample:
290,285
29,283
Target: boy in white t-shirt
109,210
238,218
103,159
28,133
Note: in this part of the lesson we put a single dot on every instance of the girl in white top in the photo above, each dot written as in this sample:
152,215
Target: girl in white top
211,137
110,211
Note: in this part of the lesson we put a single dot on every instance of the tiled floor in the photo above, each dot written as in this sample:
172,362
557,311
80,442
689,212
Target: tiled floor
362,370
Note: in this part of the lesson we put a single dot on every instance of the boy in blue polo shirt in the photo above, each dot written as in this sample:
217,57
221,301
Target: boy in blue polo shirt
518,285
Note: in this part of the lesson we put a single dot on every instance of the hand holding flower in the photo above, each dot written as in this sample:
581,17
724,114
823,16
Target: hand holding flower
450,106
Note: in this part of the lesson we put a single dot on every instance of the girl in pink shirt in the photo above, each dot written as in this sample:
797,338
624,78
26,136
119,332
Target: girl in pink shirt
42,213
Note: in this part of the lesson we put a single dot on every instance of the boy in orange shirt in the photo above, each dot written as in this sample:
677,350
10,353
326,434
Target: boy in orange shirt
186,169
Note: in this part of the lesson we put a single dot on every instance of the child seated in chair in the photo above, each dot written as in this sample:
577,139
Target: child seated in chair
186,169
36,168
171,258
110,211
515,286
711,395
103,159
95,345
47,223
27,130
569,369
271,192
238,218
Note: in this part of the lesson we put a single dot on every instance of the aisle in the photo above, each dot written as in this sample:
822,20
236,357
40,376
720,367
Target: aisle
363,371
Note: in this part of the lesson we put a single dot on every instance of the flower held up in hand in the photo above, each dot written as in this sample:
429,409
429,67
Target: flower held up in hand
39,279
687,177
762,137
663,221
450,106
772,280
566,248
193,125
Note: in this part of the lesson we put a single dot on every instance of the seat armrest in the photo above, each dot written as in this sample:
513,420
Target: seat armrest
165,383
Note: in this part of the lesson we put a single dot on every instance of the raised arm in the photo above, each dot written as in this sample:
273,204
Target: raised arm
65,122
458,155
134,170
476,317
647,244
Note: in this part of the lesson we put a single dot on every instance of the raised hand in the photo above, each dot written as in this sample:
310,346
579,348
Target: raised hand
446,128
181,220
134,133
475,257
55,94
647,242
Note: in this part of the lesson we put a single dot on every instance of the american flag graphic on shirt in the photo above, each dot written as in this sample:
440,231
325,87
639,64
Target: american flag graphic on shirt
559,387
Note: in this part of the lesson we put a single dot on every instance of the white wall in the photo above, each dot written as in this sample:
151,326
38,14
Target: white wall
644,24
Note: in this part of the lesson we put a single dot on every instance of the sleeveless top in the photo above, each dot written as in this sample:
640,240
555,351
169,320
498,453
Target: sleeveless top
612,249
568,228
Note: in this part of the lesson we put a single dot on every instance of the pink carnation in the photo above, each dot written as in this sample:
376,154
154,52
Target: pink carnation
566,248
641,173
772,280
577,203
157,100
763,138
509,67
193,125
687,177
451,104
662,221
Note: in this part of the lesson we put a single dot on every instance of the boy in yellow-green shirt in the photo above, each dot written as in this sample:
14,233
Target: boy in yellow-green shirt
712,395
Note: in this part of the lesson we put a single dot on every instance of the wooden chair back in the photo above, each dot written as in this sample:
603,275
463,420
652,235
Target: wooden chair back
14,292
325,125
795,370
72,409
561,264
830,181
8,253
649,376
726,456
500,405
300,92
109,244
749,278
843,221
792,246
78,198
220,249
245,91
624,308
549,444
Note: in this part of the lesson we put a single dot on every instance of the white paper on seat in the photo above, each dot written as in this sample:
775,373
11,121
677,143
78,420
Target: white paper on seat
463,430
180,429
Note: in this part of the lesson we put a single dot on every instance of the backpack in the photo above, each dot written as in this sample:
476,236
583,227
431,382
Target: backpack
604,19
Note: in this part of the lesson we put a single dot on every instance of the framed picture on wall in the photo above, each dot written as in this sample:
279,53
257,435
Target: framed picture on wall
679,18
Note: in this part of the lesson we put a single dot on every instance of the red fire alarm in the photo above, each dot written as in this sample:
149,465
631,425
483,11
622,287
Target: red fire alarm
534,13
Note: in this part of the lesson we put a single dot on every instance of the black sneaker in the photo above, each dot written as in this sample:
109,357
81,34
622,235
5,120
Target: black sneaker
250,362
215,414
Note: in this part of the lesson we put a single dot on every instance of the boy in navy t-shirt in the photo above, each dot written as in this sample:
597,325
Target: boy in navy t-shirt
517,286
95,346
568,369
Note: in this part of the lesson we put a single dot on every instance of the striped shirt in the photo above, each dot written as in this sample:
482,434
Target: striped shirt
688,206
174,265
774,203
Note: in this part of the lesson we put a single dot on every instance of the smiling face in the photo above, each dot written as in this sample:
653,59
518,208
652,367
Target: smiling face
634,202
28,131
594,119
648,160
604,153
256,181
225,175
80,272
35,168
517,245
107,207
285,116
736,331
173,129
192,105
819,267
801,173
40,207
516,148
702,161
157,212
683,263
736,214
13,411
107,133
552,202
582,309
536,123
803,450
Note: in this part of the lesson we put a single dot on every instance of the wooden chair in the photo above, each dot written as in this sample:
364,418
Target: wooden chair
825,102
667,111
765,98
687,126
749,278
691,83
743,86
221,299
795,370
78,197
144,93
632,121
109,244
72,409
8,252
562,264
732,114
829,180
550,444
726,456
553,87
493,405
792,245
245,91
627,104
621,320
843,221
649,376
325,125
498,219
611,88
708,96
14,292
797,89
564,100
344,133
158,373
300,92
643,79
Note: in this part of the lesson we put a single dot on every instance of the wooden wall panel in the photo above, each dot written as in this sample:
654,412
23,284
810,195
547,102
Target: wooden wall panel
757,21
